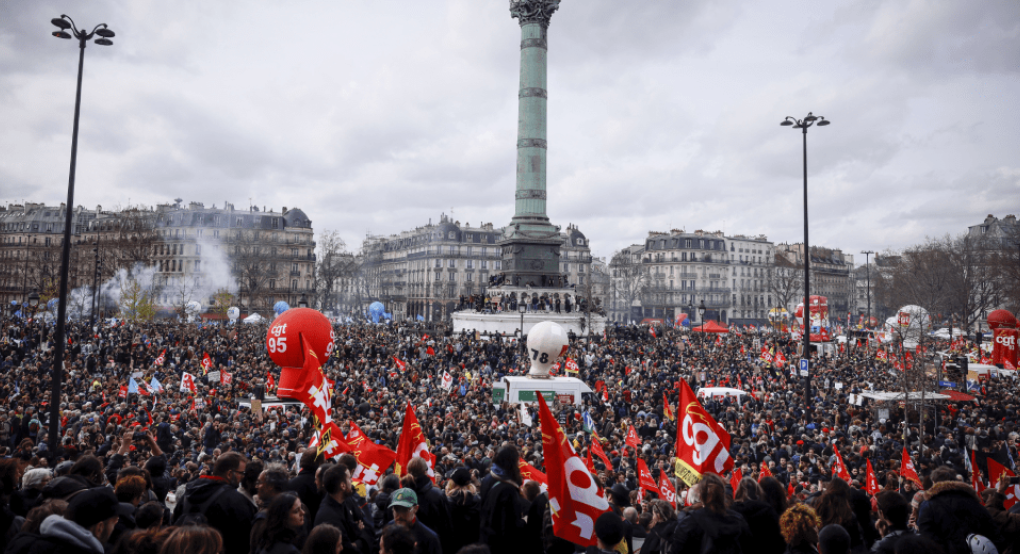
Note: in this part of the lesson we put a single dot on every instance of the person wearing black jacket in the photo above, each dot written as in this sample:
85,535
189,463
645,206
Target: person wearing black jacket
503,507
388,485
761,518
216,499
334,510
462,506
663,526
893,515
304,483
952,512
713,528
431,504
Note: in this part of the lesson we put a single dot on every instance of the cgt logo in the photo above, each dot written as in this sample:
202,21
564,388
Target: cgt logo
1006,341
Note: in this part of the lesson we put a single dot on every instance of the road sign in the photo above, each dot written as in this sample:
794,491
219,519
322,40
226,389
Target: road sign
947,384
803,368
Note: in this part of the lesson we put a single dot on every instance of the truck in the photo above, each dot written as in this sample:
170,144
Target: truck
524,390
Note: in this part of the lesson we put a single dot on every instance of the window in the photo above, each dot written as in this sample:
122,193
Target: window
497,264
470,264
293,268
566,268
470,276
198,233
452,235
198,265
293,252
452,263
485,264
468,253
580,268
198,249
468,237
293,284
439,263
276,225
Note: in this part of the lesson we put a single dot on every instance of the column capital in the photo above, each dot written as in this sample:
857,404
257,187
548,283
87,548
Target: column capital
534,11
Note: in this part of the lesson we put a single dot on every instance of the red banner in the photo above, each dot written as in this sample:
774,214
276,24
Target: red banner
702,444
1004,346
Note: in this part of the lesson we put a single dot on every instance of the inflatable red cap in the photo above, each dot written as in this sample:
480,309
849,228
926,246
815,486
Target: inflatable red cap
283,341
1002,318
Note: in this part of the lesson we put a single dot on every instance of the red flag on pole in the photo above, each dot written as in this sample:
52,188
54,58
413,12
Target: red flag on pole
575,499
839,468
645,479
206,363
666,490
764,472
413,444
530,473
907,470
735,478
975,474
596,448
871,486
632,440
400,365
702,444
667,410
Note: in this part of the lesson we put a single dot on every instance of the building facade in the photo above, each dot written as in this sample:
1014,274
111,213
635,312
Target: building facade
430,270
831,273
676,272
31,236
176,253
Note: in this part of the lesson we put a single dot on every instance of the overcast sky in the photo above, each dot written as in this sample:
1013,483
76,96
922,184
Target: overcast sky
377,116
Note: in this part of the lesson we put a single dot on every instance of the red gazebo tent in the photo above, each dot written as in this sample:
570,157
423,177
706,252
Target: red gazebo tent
711,327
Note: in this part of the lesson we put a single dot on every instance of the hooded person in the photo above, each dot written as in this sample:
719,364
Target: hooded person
214,499
609,531
84,528
504,506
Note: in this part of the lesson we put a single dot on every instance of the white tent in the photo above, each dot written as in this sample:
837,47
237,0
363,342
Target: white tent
254,318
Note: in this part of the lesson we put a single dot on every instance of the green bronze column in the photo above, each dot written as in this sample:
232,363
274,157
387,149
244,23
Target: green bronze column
531,246
530,197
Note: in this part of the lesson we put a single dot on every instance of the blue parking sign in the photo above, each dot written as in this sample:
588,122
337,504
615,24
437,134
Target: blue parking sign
803,368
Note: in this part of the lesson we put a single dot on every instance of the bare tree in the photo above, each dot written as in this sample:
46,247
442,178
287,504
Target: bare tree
785,281
334,266
629,278
252,266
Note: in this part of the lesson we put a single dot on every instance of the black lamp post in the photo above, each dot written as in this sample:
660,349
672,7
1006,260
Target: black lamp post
63,23
303,303
803,125
522,308
701,311
33,301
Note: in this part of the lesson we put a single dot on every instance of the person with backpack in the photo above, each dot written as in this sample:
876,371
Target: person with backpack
215,500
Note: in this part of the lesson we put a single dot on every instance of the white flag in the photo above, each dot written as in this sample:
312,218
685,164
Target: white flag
525,415
447,381
187,383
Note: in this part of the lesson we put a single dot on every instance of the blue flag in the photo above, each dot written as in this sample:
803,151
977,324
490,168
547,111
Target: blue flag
132,386
589,423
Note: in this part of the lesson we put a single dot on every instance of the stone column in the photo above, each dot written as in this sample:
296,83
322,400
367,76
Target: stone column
530,197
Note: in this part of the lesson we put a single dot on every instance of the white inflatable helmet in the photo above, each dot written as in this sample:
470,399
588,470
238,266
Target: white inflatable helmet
979,544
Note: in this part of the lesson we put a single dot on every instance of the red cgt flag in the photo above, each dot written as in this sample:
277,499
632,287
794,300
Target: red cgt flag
666,490
412,444
702,444
871,486
575,499
645,479
839,468
667,410
764,472
373,459
907,470
529,473
735,478
632,440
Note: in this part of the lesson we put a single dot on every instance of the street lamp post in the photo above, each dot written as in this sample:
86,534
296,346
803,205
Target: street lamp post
63,23
701,315
803,125
867,263
303,302
522,308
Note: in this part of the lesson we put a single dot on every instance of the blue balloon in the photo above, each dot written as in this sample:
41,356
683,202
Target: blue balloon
280,307
376,310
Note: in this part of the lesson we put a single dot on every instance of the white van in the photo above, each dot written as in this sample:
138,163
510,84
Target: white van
524,390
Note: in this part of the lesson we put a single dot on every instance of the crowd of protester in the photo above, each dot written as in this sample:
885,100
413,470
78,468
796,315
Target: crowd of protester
174,472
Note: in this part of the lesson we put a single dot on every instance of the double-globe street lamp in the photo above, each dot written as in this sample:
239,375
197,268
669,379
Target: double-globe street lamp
65,24
803,125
